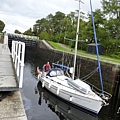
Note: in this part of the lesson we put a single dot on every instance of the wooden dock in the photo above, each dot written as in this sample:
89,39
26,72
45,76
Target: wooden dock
8,78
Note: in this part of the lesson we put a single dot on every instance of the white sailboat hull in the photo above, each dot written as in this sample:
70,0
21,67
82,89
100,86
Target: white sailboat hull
90,102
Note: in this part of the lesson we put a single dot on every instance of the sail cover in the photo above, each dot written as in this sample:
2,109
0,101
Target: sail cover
63,67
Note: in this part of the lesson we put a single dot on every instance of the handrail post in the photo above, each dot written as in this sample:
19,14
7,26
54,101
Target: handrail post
21,75
18,53
18,63
22,65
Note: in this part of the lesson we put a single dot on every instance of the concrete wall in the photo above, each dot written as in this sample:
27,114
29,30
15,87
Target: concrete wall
44,44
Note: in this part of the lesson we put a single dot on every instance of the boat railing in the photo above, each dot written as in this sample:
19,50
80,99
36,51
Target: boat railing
77,88
106,96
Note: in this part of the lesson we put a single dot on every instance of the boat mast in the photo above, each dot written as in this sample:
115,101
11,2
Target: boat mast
97,52
76,43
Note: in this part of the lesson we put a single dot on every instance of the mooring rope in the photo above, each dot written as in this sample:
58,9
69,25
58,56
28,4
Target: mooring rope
89,75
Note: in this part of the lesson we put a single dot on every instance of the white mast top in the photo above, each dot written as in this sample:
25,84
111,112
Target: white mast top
77,33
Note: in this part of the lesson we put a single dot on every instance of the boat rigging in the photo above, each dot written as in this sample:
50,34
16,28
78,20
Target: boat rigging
74,90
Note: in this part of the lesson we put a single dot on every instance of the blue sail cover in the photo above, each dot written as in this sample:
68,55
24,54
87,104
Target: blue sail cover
63,67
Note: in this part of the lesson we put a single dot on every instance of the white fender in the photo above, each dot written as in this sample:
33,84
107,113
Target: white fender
43,84
49,85
56,108
71,98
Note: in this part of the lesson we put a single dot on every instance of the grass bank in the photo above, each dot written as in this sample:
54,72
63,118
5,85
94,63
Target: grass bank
82,53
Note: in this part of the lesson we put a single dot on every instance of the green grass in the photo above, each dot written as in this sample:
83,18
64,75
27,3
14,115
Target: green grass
83,53
56,46
102,57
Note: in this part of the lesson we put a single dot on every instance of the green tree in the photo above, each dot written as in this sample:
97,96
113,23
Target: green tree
17,31
57,23
112,10
59,26
28,32
40,26
99,20
2,25
44,35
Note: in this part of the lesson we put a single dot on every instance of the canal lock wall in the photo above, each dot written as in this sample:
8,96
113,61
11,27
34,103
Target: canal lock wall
84,66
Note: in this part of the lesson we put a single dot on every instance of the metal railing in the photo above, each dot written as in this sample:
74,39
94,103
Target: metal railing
25,36
18,53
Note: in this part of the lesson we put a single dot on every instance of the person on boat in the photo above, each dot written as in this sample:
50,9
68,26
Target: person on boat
37,70
47,67
43,68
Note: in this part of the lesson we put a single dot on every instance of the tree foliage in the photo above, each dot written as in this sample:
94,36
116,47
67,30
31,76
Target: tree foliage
17,31
2,25
111,8
28,32
59,26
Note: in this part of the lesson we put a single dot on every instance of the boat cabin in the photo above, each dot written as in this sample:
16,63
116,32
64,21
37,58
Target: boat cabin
55,72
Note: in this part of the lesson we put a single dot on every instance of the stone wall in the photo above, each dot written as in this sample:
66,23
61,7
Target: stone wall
44,44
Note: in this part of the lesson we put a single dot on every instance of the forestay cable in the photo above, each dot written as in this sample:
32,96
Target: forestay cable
97,52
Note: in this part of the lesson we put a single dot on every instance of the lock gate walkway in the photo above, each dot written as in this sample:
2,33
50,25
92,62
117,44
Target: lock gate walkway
8,77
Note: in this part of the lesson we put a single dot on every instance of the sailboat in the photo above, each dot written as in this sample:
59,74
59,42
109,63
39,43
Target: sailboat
74,91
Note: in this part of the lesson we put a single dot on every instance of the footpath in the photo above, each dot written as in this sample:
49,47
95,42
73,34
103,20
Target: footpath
92,56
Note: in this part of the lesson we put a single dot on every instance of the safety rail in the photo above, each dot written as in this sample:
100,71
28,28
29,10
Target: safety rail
18,53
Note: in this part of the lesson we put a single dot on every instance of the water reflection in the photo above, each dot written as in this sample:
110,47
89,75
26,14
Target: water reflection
64,110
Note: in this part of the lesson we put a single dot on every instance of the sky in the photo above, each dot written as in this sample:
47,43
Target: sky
22,14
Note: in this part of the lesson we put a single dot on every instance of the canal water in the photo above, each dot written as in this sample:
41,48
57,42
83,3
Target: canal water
42,105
